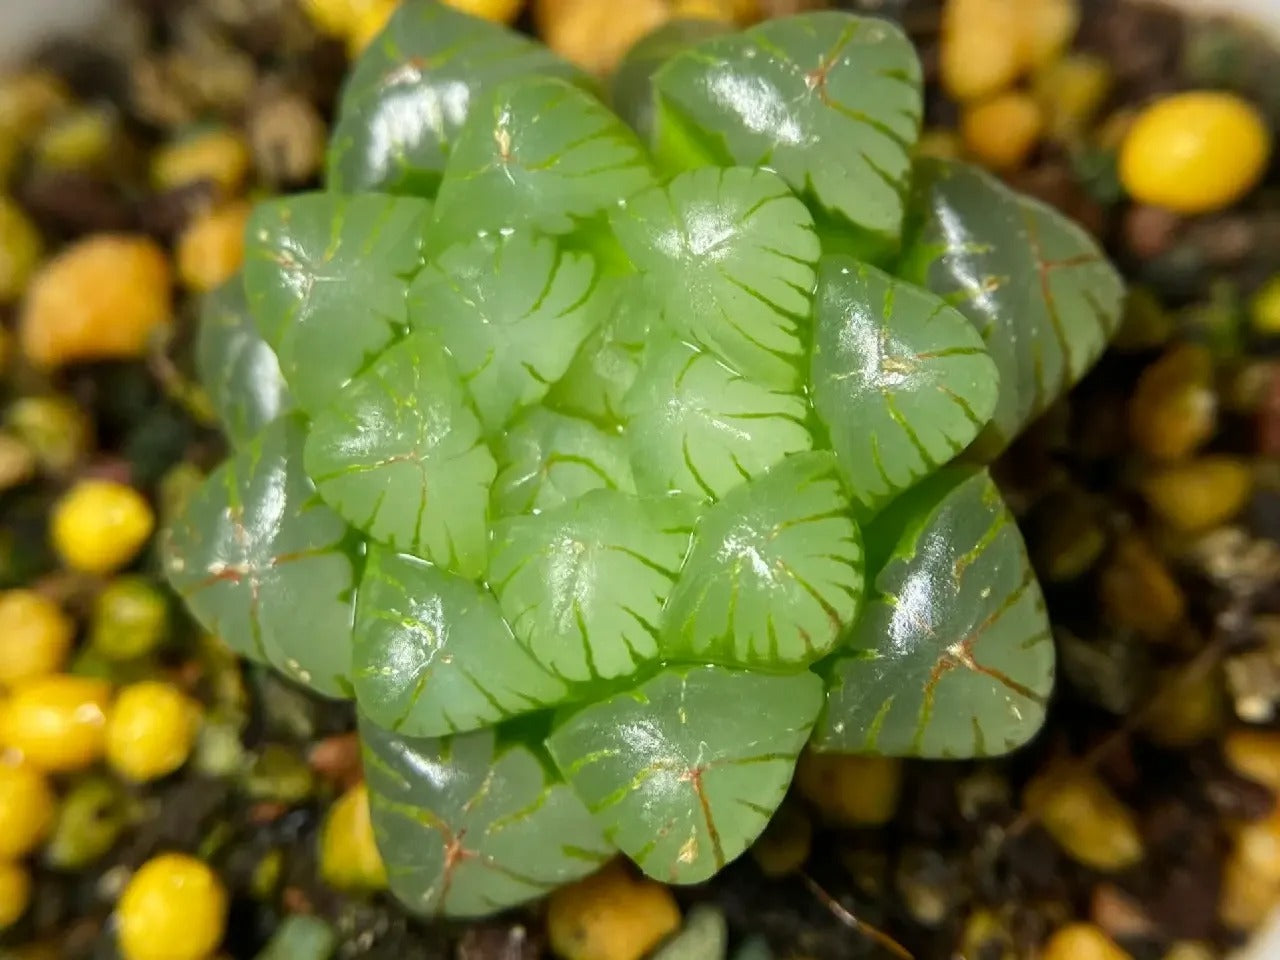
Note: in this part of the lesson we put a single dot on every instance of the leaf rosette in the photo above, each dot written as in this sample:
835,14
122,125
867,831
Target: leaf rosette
607,463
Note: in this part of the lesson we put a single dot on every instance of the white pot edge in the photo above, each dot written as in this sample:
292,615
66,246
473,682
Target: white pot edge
26,21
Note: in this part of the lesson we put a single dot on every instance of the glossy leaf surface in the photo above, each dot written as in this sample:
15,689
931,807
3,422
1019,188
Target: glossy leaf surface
326,278
729,254
1033,283
409,95
775,573
697,428
953,657
583,585
902,381
512,311
541,154
469,826
265,565
828,100
238,369
685,771
547,459
399,455
433,655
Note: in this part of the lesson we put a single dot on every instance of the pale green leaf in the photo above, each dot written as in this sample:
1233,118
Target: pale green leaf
953,657
433,655
685,770
775,573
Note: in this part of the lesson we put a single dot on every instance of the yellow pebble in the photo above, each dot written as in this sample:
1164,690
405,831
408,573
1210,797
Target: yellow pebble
56,723
1255,754
219,156
174,908
371,18
99,526
15,893
1139,593
1084,817
1071,91
349,857
499,11
81,140
27,101
1264,308
850,791
784,846
940,143
1187,708
718,10
981,53
1174,408
1000,133
20,248
1198,495
211,248
1047,28
101,298
595,35
332,17
611,915
1082,941
1251,875
151,729
1191,950
1195,152
26,809
35,636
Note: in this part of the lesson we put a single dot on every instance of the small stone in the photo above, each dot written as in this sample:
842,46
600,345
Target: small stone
100,298
1255,754
986,937
1139,593
220,156
1084,817
705,937
1174,409
1047,28
784,846
288,137
1001,132
1116,913
1198,495
981,52
1187,708
1071,91
1082,941
20,249
610,915
928,884
1190,950
17,462
211,248
1251,877
1150,231
850,791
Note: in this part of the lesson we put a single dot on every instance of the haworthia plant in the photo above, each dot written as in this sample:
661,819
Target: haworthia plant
609,455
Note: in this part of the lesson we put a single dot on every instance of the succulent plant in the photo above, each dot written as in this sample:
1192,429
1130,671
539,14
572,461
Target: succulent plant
610,457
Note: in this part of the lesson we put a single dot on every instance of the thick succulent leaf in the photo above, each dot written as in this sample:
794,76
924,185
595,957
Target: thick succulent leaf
631,90
547,459
729,254
266,566
697,428
953,657
775,574
606,365
399,455
237,368
830,101
512,310
326,279
1033,283
539,153
433,655
411,92
469,825
685,771
901,380
583,585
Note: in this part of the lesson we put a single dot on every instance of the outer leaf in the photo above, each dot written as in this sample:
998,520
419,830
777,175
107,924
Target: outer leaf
542,154
686,770
901,380
830,101
433,655
729,255
775,574
469,826
411,91
400,456
696,427
236,366
632,85
547,459
265,565
606,365
326,277
583,585
1035,285
512,310
954,657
